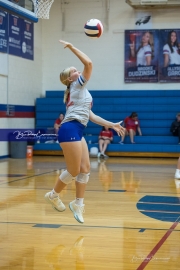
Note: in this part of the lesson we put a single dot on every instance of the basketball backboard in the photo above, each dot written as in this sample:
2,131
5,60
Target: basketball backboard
21,8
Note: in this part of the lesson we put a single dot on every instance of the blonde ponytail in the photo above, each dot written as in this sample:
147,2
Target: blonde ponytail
66,93
64,75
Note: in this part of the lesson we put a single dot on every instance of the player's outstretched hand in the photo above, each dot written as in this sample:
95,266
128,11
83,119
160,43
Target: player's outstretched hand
118,128
65,44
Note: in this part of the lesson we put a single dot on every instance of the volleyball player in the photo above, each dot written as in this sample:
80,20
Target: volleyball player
78,112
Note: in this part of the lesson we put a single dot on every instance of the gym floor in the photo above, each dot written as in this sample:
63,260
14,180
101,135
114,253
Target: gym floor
132,216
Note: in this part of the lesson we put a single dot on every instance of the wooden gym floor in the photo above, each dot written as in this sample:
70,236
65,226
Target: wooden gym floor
131,219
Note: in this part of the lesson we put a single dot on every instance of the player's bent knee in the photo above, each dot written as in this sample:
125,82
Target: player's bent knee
83,178
66,177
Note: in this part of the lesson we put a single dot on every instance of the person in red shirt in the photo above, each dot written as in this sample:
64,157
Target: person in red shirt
58,123
132,125
105,138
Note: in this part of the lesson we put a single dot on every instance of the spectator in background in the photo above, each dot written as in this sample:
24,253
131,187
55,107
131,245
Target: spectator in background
105,138
131,124
58,123
175,127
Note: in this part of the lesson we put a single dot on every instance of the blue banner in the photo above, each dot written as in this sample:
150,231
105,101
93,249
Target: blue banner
27,39
3,31
15,35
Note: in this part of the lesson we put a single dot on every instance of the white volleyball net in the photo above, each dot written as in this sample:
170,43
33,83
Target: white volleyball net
42,8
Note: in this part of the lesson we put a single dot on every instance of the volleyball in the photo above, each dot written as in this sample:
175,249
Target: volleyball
93,28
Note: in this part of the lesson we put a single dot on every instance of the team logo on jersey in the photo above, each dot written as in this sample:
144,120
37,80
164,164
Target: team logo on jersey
1,19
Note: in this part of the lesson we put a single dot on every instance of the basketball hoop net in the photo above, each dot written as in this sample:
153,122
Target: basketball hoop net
42,8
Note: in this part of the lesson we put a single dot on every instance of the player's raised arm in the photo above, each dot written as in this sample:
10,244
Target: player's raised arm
82,57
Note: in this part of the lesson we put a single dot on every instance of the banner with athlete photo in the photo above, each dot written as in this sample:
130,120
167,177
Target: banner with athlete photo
141,56
169,55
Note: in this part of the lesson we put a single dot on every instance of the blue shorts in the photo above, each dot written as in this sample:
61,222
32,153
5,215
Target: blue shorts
71,131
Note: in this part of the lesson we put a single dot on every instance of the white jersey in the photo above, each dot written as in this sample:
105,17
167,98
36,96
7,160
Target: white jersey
142,54
174,58
79,102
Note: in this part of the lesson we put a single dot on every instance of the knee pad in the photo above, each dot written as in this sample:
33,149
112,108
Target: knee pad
83,178
66,177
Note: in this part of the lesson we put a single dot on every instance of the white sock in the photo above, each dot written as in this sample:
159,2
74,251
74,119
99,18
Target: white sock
178,171
53,194
79,201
